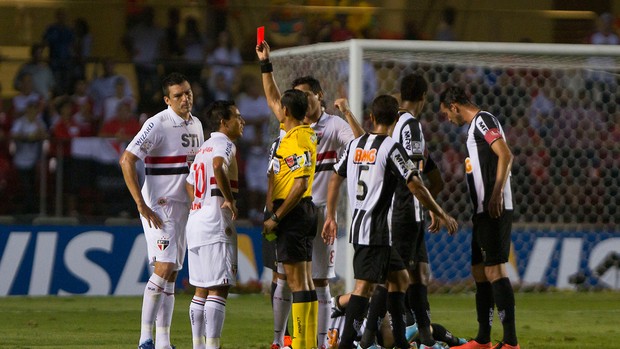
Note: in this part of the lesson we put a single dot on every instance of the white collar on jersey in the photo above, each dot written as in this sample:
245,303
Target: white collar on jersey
179,120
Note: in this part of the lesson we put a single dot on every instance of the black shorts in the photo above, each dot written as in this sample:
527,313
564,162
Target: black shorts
296,232
371,263
396,263
409,241
490,241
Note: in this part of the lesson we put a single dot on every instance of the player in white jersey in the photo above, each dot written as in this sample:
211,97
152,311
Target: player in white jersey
373,164
488,178
212,185
333,133
166,143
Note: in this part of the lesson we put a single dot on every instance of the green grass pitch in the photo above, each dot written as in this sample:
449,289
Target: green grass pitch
544,320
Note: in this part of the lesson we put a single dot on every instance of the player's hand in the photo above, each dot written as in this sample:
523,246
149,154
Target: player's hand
342,104
496,204
262,51
443,220
269,225
151,217
232,207
330,230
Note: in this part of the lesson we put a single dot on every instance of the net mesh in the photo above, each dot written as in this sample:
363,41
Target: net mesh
558,111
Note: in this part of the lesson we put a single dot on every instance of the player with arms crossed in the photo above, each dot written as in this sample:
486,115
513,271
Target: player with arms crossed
488,177
166,143
373,165
333,133
212,185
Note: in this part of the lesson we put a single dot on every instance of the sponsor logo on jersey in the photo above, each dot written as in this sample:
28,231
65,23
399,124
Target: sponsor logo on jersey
189,140
163,244
407,140
468,166
399,160
146,132
365,156
275,164
228,148
295,162
482,126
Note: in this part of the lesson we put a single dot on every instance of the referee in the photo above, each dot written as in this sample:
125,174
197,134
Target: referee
294,215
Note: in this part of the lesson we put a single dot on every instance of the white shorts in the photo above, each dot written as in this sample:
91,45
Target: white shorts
323,255
213,265
167,244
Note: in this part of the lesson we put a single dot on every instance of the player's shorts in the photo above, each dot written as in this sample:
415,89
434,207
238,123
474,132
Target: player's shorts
371,263
490,242
296,232
396,262
323,255
408,239
213,265
168,244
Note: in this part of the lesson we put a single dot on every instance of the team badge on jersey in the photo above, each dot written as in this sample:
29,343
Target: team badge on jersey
163,244
295,162
146,146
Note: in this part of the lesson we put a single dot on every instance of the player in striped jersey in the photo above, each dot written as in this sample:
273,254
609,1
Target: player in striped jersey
212,186
488,177
333,133
373,164
166,143
408,216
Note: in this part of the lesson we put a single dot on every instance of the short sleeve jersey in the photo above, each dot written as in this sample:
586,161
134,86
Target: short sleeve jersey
373,165
207,222
167,144
333,134
481,165
295,157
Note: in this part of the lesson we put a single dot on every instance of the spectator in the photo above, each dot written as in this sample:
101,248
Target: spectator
37,67
25,96
110,105
60,38
104,86
252,104
82,47
285,27
172,48
123,125
144,44
599,77
194,49
445,29
224,62
28,133
83,110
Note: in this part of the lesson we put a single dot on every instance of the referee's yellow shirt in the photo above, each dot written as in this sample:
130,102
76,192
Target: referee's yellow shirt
294,158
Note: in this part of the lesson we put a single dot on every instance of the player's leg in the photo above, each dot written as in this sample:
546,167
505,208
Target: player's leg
323,258
176,219
152,299
302,301
197,316
356,310
497,247
215,313
399,281
281,308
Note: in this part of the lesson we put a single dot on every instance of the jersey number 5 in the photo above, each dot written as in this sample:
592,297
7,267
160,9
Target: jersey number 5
362,187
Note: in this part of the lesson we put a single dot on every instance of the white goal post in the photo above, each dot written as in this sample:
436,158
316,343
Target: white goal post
557,103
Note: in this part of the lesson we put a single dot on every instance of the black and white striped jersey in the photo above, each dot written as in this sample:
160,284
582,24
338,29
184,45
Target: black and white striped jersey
481,165
408,132
373,165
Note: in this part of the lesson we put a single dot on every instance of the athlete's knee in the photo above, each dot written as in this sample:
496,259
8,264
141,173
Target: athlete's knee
320,282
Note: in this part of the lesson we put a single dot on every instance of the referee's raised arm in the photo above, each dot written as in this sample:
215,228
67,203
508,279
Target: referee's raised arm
272,92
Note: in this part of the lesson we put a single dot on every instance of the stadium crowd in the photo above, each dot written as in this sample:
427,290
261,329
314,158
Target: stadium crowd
561,137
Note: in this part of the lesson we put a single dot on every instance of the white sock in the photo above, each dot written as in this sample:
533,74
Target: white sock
281,311
215,312
197,321
164,317
151,302
324,298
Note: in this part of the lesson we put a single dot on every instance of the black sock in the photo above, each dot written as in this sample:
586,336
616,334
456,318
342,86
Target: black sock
376,313
505,302
408,307
396,307
356,309
484,309
419,301
441,334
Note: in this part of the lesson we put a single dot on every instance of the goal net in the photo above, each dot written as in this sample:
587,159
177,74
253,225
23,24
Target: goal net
557,104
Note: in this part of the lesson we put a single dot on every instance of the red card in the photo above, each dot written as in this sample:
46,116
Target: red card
260,35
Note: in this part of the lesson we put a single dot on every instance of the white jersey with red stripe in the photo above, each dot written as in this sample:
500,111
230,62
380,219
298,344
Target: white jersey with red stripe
208,223
333,134
167,145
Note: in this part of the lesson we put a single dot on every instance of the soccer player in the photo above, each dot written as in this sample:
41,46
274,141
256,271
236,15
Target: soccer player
373,164
407,215
488,176
212,185
333,133
166,143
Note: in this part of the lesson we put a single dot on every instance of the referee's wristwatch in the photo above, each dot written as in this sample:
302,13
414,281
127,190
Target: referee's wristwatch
274,217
